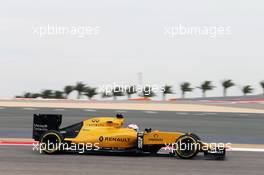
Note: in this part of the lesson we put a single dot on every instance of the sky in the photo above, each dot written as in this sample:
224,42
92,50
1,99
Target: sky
130,36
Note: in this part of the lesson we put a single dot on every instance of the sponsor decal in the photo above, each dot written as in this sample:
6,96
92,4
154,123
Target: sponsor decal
95,124
155,138
38,127
113,139
95,120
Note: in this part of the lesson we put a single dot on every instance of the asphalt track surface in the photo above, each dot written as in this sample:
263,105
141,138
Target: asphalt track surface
219,127
212,127
23,161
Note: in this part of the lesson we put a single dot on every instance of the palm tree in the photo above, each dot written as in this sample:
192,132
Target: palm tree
227,84
27,95
67,90
247,90
206,86
46,93
166,90
130,90
106,94
58,95
262,85
117,91
79,87
147,92
185,87
35,95
90,92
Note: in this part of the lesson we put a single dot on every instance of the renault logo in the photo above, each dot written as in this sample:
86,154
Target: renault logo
101,138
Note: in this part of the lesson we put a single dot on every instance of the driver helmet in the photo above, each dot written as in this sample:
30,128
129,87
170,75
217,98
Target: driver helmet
133,126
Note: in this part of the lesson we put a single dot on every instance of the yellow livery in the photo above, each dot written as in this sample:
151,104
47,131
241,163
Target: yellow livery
109,134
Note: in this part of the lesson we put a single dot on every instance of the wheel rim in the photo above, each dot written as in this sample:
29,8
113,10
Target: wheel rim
186,147
50,142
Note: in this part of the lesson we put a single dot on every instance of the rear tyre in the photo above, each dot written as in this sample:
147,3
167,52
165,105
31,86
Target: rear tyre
50,142
186,147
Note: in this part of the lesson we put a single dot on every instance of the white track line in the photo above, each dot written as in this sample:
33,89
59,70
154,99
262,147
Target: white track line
121,111
210,113
204,113
30,109
200,114
243,114
90,110
182,113
150,112
58,109
247,149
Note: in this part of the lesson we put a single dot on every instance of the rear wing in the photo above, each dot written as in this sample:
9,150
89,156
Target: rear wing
45,122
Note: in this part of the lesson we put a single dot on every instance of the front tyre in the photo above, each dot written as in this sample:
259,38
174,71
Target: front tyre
195,136
50,142
186,147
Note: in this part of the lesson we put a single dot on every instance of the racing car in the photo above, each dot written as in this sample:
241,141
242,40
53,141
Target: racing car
109,134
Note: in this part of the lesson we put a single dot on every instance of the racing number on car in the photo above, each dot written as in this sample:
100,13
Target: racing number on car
140,142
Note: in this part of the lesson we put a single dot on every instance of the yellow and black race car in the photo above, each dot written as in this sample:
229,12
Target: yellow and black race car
108,134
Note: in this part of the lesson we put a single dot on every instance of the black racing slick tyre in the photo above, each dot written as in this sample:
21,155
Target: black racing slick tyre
186,147
50,142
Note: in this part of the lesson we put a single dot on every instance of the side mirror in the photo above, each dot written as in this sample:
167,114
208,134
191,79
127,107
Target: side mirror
119,116
148,130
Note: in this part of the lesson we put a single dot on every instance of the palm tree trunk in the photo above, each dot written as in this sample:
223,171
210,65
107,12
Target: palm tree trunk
183,94
204,94
224,93
164,97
